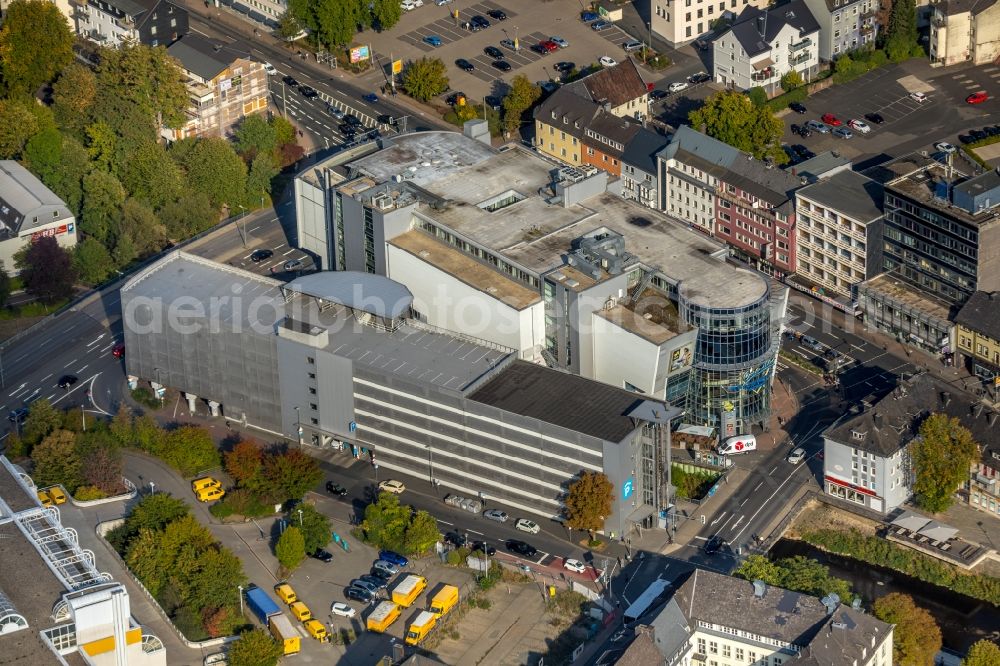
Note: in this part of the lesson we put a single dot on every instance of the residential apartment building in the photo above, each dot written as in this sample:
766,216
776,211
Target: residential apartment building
984,480
224,86
619,90
839,222
604,142
560,123
844,25
866,453
679,22
29,211
498,245
112,22
728,194
726,621
965,31
762,45
639,170
977,336
306,360
941,243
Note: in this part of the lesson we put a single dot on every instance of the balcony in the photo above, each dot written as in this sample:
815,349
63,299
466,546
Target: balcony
799,59
804,44
763,75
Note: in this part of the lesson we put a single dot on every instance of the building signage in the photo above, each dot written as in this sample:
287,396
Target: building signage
627,489
52,231
848,484
225,84
359,53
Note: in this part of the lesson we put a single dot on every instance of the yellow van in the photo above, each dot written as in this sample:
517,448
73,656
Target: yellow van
286,593
300,611
57,495
44,498
317,630
204,482
210,494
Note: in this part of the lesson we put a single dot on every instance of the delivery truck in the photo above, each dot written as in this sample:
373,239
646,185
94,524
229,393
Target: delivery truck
260,604
445,599
420,627
408,589
384,615
286,635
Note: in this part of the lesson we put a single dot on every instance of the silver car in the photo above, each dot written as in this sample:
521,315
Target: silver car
817,126
496,514
386,567
364,585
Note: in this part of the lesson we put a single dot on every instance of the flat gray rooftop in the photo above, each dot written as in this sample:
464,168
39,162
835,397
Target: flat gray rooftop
536,234
413,351
848,192
423,157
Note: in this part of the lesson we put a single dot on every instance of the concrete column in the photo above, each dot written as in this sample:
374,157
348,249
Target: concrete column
191,398
213,407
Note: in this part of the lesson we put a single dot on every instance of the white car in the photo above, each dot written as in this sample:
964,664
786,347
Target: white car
677,87
269,69
392,486
859,126
407,5
797,456
528,526
442,3
562,43
607,61
918,97
342,609
945,147
574,565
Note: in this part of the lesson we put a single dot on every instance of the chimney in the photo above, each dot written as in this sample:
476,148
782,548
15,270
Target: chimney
759,589
877,420
945,398
762,23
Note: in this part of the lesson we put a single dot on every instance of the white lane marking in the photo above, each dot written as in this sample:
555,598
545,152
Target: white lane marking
758,485
70,363
83,368
737,523
50,397
96,340
773,470
289,252
719,518
11,394
765,503
46,376
744,501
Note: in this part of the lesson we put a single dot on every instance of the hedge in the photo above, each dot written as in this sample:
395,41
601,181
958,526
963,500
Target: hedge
970,149
880,552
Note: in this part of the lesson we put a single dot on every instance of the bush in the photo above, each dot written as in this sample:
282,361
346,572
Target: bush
145,397
456,558
692,485
89,493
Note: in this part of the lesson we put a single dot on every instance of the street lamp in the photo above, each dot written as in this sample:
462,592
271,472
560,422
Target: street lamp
298,424
240,588
152,488
430,462
300,518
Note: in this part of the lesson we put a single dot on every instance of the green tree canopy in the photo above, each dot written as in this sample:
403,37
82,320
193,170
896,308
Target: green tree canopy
731,117
314,525
18,125
588,502
5,287
901,35
152,512
791,81
46,270
213,167
290,475
389,524
190,450
35,44
189,215
917,637
289,27
103,198
56,461
941,458
421,534
139,89
385,14
92,262
521,96
425,78
291,548
255,136
798,573
757,95
73,96
43,154
42,419
66,179
255,648
983,653
151,176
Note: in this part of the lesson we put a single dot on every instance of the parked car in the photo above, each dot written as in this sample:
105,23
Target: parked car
600,25
335,489
323,555
546,47
574,565
496,514
497,14
493,102
364,585
292,265
454,98
509,44
797,107
859,126
526,525
521,548
875,118
483,547
269,69
803,152
393,558
632,45
433,40
342,609
677,86
978,135
358,594
386,567
700,77
714,545
945,147
843,133
817,126
831,120
502,65
379,582
457,539
977,97
493,52
559,41
548,86
564,67
480,21
587,17
391,486
607,61
464,64
657,95
918,97
797,456
381,573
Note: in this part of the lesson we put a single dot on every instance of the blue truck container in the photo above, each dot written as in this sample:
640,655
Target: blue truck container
261,604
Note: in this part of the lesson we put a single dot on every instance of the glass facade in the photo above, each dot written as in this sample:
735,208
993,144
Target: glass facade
733,362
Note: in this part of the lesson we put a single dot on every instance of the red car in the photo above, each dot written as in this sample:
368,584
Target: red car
548,46
118,351
977,97
831,119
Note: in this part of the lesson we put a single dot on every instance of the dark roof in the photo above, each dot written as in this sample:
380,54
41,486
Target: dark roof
567,111
897,168
614,128
839,5
891,423
848,192
756,28
568,401
981,313
976,7
615,85
641,651
201,56
642,149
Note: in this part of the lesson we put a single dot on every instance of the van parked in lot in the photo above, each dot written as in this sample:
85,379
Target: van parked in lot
632,45
737,445
205,482
209,494
300,611
286,593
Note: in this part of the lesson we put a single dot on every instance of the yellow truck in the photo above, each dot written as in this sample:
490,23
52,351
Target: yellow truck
384,615
420,627
445,599
284,632
408,589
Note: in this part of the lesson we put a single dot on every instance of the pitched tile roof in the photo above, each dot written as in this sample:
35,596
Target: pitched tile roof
619,130
976,7
615,85
567,111
981,313
205,58
642,149
756,28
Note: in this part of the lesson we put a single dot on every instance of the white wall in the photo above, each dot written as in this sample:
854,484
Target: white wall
448,303
621,356
311,216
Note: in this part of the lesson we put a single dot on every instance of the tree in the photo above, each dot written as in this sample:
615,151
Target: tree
315,527
73,95
103,198
757,95
255,648
46,270
102,145
284,131
5,288
290,475
18,126
190,450
521,96
255,136
425,78
291,548
66,179
982,653
92,262
245,464
35,43
189,215
385,14
588,502
42,419
213,167
43,153
941,456
140,88
758,567
151,176
152,513
56,461
141,229
421,534
289,27
901,35
262,172
385,523
806,575
791,81
732,118
334,22
917,637
102,468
